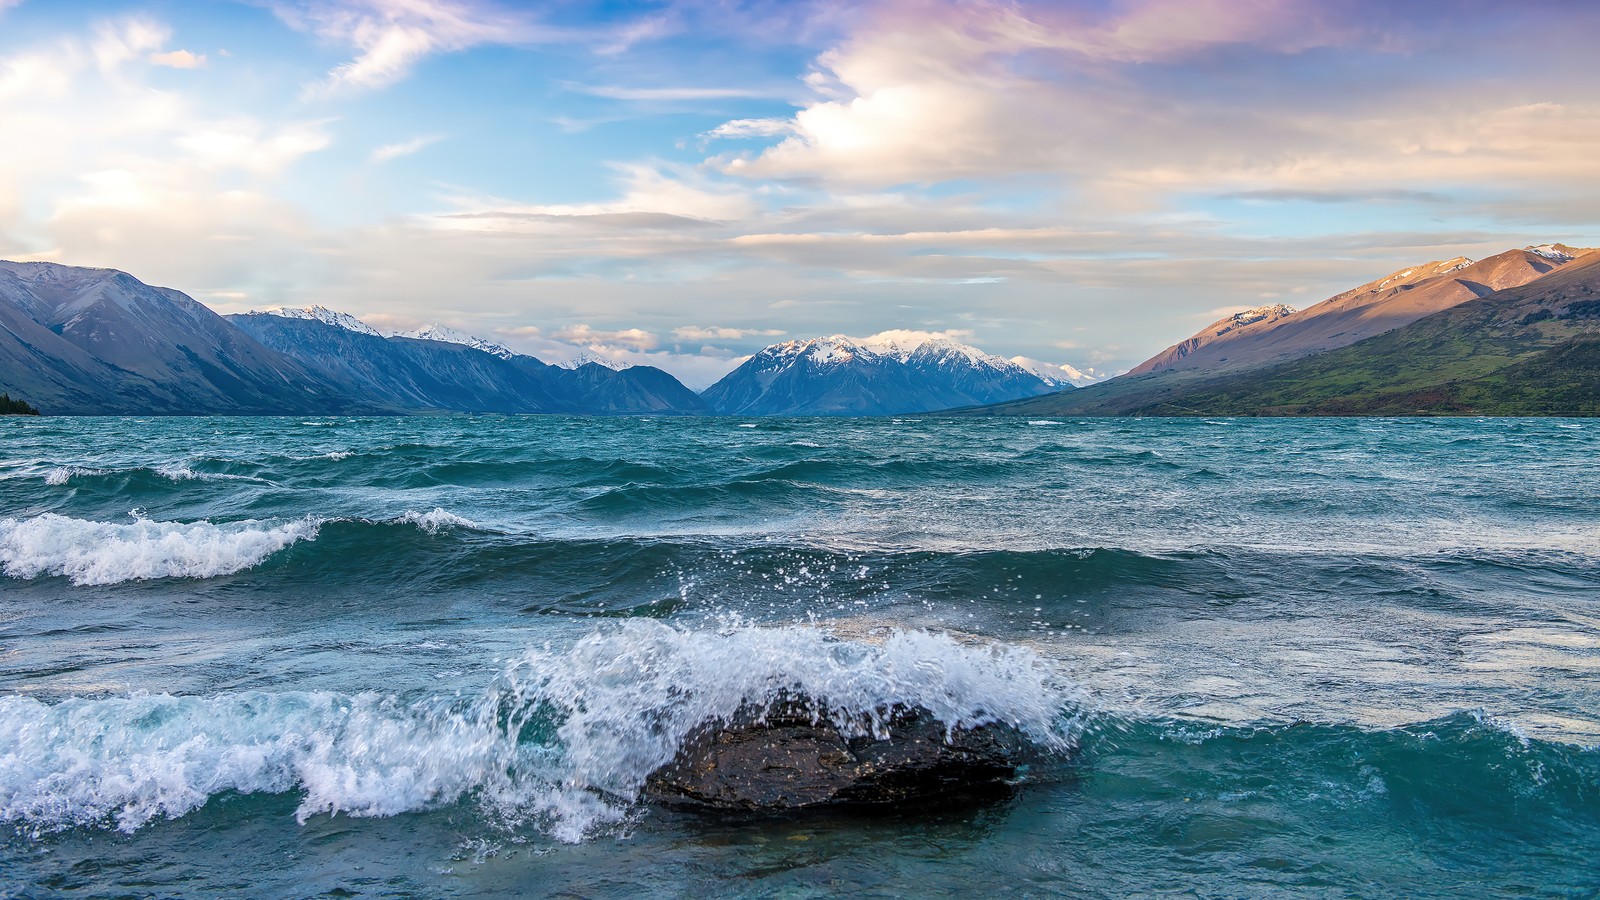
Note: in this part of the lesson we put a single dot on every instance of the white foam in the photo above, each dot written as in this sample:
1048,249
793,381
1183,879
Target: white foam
60,475
620,702
435,520
92,553
180,472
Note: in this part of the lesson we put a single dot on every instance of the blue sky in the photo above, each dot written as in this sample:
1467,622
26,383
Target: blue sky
680,183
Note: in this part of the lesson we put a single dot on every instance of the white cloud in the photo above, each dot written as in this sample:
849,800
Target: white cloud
123,41
405,148
648,190
632,338
250,145
618,92
751,128
178,59
391,36
719,333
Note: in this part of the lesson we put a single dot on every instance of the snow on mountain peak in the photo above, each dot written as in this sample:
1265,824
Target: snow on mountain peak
321,314
586,357
448,335
1553,252
1056,375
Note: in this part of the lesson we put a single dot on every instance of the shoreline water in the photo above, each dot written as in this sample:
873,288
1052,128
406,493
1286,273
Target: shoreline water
1282,657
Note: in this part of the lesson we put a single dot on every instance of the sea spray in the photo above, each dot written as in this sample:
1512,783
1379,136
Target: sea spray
562,740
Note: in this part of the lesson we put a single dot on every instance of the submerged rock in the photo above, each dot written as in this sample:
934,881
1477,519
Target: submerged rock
791,757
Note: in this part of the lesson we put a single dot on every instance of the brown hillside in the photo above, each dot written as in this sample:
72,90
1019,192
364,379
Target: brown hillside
1371,309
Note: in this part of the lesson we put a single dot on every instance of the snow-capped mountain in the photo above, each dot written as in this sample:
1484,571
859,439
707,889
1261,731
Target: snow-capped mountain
585,358
448,335
1062,375
889,373
321,314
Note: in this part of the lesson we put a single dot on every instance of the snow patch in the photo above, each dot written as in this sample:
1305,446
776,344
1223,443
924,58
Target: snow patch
1064,373
1552,252
446,335
321,314
585,358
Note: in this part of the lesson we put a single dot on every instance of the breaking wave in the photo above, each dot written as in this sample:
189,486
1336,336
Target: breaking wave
562,741
100,553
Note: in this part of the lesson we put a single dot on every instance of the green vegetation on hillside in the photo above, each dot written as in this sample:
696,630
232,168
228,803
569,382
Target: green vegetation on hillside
10,407
1527,351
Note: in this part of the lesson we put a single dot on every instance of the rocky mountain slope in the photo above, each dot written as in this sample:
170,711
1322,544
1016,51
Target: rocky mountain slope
1275,334
1531,348
100,342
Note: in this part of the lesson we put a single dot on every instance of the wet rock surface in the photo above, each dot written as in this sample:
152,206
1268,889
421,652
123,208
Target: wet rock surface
793,759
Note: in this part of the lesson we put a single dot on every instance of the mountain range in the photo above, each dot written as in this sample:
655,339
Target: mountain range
1517,333
77,341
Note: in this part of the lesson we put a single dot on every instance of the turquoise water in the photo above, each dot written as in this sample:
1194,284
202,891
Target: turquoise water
436,657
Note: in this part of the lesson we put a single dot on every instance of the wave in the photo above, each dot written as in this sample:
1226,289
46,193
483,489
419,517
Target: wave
1464,766
98,553
102,553
145,479
563,741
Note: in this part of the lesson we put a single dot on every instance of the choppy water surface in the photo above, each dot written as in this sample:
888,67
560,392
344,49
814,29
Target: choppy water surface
436,657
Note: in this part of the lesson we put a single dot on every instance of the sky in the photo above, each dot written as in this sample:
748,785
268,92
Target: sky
681,183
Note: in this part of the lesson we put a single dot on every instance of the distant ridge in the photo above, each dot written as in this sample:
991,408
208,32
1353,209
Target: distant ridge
463,374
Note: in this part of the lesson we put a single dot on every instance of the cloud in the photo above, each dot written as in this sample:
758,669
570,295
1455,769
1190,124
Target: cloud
647,28
405,148
631,338
118,42
1285,195
178,59
751,128
908,337
1129,103
653,196
618,92
391,36
247,144
719,333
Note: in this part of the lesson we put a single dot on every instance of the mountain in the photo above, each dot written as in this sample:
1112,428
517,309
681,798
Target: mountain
78,341
420,374
1275,334
1226,330
891,373
324,315
586,358
446,334
1530,348
1058,376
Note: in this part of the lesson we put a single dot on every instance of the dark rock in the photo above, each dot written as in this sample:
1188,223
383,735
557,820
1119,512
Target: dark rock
791,758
